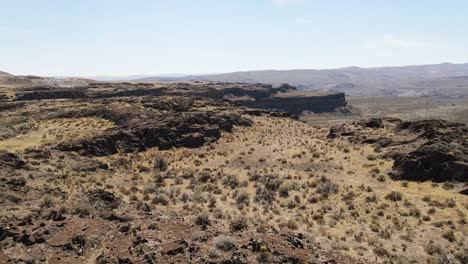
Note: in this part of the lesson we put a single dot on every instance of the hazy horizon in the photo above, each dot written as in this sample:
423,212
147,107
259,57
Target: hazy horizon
181,74
119,38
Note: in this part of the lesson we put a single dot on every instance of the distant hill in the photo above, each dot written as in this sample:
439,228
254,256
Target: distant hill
133,77
9,80
446,79
2,73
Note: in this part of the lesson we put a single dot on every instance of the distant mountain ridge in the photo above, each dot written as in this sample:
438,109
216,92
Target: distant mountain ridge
446,79
10,80
2,73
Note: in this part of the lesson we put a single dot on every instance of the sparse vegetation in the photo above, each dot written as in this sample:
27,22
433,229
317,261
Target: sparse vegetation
267,194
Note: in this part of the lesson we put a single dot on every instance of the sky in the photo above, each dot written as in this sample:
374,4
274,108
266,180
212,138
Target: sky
121,38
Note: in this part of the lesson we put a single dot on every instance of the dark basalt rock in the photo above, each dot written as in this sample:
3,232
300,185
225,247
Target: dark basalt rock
37,154
296,102
443,156
103,199
182,104
57,94
189,129
10,161
286,97
176,247
434,150
383,142
13,183
373,123
341,131
436,129
77,244
118,116
89,165
438,162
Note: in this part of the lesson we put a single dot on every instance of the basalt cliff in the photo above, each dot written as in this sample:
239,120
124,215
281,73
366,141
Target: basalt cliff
285,97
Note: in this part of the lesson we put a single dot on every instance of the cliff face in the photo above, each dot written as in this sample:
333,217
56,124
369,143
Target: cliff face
285,98
297,104
57,94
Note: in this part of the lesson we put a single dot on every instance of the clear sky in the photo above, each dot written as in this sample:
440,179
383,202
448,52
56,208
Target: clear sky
117,37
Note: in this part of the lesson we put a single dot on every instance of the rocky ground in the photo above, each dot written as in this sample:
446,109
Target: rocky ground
189,179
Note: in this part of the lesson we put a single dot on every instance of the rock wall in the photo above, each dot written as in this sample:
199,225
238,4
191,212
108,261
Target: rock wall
296,105
57,94
285,98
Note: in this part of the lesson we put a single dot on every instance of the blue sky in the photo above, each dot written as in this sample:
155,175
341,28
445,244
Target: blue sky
116,37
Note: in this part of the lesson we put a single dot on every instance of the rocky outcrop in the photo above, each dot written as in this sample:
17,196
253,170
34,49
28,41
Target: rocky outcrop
443,155
10,162
192,129
296,102
437,162
434,150
285,97
56,94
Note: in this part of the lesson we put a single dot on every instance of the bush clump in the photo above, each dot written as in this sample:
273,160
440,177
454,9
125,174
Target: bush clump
224,243
394,196
160,164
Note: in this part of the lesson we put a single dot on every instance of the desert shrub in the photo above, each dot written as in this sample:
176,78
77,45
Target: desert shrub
462,256
213,252
134,198
414,212
149,190
224,243
385,233
349,197
205,176
142,168
284,189
448,185
243,199
381,178
160,199
46,202
381,251
394,196
317,217
291,204
231,181
327,188
82,210
427,198
450,203
291,224
199,197
212,201
254,176
271,182
264,196
371,198
313,200
449,235
202,219
442,259
160,163
178,181
238,224
431,248
263,257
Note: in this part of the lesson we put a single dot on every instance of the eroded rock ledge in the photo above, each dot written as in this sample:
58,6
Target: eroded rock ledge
285,98
163,122
435,150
